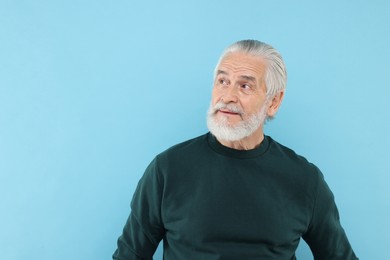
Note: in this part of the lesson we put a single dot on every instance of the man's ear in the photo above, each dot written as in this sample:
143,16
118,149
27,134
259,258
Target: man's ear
274,104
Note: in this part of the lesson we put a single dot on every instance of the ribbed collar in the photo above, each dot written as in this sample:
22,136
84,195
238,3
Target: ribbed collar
240,154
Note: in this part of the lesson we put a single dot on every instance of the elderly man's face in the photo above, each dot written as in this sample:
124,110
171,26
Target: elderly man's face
239,83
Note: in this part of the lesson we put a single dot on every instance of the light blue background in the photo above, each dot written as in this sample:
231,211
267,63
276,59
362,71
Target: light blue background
91,91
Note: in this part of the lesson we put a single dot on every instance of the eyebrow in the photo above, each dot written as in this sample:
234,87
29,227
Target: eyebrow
222,72
245,77
248,78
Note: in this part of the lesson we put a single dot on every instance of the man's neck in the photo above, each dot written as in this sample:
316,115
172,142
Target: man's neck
246,143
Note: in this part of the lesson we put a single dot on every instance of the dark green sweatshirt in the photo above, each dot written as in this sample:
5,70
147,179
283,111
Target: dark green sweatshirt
207,201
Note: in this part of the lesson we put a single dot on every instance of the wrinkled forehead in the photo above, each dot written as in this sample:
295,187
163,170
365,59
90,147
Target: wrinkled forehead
241,64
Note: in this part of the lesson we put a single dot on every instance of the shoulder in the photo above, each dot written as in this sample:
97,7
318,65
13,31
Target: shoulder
296,163
287,153
300,176
185,149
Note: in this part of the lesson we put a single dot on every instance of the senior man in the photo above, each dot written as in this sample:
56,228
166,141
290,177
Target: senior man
235,193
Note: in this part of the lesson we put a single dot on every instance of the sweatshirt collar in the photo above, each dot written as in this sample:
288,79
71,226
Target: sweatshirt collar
241,154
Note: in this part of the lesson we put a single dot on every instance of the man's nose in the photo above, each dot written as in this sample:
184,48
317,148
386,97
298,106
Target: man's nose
230,95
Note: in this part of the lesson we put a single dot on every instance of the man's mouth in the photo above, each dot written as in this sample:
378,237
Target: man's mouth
228,112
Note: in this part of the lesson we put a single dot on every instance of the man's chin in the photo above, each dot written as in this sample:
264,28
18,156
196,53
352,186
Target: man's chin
226,121
226,132
227,136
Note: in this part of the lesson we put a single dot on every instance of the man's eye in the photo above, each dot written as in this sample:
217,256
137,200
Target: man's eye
222,82
245,86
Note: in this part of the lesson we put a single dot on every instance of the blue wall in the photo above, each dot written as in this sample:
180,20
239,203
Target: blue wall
91,91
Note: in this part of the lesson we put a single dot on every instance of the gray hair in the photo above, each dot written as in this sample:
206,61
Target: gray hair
275,74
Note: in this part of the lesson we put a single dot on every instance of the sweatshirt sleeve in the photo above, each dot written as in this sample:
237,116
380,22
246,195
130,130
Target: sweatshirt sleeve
144,229
325,235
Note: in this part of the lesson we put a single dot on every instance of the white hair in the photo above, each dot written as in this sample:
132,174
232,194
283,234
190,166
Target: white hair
275,74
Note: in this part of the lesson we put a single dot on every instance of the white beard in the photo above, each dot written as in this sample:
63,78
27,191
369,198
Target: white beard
223,131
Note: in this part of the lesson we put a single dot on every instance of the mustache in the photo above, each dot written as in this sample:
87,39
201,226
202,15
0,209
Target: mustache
229,107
